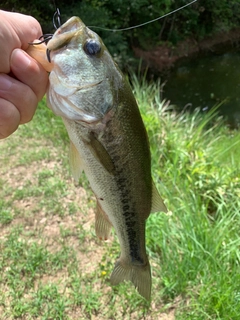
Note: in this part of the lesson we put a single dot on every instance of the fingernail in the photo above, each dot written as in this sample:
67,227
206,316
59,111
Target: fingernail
20,58
5,82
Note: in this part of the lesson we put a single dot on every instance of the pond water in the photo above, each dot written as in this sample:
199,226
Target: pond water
205,82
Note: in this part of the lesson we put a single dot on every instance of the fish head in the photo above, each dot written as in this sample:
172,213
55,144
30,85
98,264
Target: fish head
84,80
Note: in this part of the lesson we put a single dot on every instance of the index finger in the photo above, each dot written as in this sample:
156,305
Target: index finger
16,31
25,27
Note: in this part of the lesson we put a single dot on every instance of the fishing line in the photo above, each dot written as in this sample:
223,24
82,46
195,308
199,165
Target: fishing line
144,23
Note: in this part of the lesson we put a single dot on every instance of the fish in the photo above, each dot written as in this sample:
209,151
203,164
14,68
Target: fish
108,141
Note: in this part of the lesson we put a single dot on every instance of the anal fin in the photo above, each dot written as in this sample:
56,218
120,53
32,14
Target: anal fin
102,224
76,165
157,202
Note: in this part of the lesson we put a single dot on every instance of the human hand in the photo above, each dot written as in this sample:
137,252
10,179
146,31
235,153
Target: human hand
23,80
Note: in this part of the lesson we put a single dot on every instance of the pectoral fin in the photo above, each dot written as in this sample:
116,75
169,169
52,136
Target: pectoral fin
101,153
157,202
76,165
102,224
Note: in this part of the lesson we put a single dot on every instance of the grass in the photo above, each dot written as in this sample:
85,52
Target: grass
53,267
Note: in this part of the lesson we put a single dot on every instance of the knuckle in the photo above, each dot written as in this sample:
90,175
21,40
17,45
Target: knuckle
27,108
9,118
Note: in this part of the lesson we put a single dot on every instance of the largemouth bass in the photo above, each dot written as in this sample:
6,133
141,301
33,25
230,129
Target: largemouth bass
108,142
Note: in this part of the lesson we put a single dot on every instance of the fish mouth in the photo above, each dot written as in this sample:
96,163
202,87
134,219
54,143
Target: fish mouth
64,35
71,25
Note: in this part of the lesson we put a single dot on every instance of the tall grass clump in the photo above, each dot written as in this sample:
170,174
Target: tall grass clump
195,163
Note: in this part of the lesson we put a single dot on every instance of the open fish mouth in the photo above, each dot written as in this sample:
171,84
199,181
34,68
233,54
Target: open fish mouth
45,38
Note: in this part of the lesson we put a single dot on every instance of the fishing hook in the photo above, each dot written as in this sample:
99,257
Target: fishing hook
48,36
48,55
57,19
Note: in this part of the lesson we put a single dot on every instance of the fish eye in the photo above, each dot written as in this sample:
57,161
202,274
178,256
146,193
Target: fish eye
92,47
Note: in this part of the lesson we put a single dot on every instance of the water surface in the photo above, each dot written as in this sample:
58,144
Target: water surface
205,82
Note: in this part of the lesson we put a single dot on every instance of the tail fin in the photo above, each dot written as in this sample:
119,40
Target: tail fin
139,275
